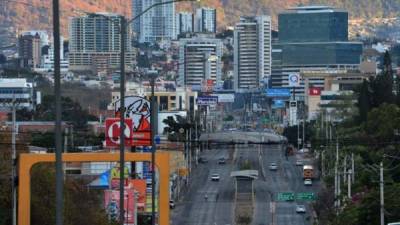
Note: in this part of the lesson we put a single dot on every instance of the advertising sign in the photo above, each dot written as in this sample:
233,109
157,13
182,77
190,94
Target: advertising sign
314,91
294,79
225,98
113,132
207,100
293,113
139,186
278,92
207,85
137,109
111,203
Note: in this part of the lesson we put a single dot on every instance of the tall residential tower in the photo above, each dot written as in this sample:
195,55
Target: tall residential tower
157,24
206,20
252,52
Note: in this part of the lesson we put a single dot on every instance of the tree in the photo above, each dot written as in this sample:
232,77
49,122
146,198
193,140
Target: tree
382,85
364,101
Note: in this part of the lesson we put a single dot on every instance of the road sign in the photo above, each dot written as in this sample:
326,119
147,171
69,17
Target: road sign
207,100
278,92
113,132
305,196
285,196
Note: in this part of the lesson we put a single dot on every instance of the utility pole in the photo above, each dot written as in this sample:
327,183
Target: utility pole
352,168
153,125
344,169
349,183
14,164
122,122
382,195
59,217
336,176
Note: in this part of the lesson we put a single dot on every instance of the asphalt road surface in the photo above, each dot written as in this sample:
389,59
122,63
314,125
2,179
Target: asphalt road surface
288,178
193,209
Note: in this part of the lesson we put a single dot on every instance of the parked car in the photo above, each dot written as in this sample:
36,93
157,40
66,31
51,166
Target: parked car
273,167
300,209
215,177
307,182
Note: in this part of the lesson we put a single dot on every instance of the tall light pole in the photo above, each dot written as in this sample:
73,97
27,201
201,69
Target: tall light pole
57,93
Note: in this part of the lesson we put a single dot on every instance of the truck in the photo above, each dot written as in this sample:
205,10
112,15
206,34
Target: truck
308,172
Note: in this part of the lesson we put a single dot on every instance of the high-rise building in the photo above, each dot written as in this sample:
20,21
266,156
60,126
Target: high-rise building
312,38
206,20
29,50
157,24
95,43
252,52
199,60
184,23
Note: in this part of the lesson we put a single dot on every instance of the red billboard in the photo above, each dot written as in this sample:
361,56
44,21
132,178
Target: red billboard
139,185
111,203
313,91
113,132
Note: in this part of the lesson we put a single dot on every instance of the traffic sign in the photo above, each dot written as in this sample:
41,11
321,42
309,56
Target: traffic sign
305,196
285,196
207,100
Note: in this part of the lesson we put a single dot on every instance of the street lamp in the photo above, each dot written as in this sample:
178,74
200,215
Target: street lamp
57,85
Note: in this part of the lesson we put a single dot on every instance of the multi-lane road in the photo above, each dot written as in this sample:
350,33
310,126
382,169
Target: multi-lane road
218,209
194,209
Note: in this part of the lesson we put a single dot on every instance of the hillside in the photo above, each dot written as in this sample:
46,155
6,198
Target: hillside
36,14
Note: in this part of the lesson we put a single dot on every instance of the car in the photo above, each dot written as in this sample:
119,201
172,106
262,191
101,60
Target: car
308,182
299,163
215,177
202,160
273,167
300,209
171,204
221,161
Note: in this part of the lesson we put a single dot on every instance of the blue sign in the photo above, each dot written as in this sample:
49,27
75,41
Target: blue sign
278,104
207,100
278,92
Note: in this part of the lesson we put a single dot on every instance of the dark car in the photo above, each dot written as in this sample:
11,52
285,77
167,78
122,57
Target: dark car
202,160
221,161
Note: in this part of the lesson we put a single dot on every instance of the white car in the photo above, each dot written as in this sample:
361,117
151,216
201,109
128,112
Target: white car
299,163
308,182
300,209
215,177
273,167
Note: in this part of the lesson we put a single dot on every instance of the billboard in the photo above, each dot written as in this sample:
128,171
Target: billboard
207,100
294,79
225,98
314,91
278,92
293,113
139,186
113,132
137,109
111,203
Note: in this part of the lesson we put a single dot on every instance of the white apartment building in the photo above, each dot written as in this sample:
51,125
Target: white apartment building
158,24
252,52
95,43
206,20
199,60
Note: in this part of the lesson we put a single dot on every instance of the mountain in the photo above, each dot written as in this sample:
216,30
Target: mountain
18,15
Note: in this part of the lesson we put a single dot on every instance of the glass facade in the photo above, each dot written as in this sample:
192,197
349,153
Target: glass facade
327,53
309,26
